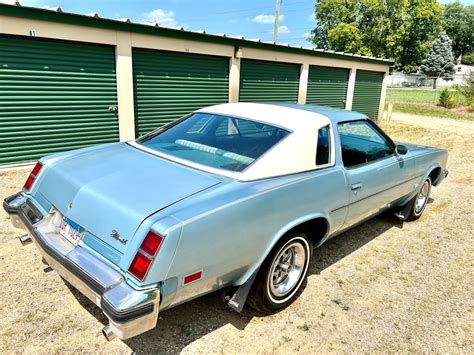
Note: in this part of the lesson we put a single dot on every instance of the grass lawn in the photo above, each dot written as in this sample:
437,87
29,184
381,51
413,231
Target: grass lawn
433,110
428,96
425,102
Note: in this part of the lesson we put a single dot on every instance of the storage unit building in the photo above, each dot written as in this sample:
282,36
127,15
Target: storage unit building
327,86
54,96
367,93
268,81
169,85
69,81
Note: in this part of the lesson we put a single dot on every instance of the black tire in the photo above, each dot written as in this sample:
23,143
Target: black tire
417,209
263,296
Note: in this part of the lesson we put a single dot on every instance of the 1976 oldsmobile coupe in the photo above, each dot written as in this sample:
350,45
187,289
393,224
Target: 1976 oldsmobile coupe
232,196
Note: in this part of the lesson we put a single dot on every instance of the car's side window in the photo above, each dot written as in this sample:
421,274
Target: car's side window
323,148
361,143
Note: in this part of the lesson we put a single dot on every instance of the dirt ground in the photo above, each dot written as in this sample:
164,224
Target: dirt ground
384,286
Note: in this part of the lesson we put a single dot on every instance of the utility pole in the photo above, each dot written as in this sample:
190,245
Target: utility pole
277,18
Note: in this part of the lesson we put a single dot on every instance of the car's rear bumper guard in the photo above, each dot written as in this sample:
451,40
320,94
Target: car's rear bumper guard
130,311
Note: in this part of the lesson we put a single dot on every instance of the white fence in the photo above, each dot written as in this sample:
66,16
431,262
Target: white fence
415,80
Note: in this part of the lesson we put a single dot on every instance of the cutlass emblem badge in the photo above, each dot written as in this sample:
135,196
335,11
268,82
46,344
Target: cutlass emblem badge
117,236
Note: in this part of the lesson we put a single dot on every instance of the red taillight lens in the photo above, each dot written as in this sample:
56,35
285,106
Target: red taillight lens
36,169
139,266
28,183
151,243
31,179
145,255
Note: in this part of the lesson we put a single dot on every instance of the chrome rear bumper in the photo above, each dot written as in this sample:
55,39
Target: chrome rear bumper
130,311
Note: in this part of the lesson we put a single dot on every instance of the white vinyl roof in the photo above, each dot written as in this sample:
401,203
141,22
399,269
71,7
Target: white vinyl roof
290,118
293,154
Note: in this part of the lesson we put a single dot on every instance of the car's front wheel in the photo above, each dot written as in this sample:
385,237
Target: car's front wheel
283,274
420,201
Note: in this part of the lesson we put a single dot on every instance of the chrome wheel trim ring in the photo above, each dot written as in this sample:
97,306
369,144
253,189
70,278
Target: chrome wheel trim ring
422,197
288,270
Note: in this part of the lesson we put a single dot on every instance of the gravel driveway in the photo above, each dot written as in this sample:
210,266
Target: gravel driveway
384,286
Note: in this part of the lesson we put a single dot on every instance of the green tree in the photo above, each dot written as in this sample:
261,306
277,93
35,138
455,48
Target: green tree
346,36
459,25
440,59
468,59
398,29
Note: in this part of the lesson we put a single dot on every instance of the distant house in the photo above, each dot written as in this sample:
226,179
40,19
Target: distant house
419,80
462,73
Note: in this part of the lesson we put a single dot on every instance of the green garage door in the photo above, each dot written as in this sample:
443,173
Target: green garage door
54,96
367,91
169,85
268,81
327,86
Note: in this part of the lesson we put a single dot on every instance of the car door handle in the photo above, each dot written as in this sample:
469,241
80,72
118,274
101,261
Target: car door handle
356,186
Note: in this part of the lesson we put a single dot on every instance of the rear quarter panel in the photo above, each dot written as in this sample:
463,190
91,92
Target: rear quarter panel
227,233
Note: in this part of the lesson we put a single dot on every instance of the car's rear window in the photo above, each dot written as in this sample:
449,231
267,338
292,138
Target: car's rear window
216,141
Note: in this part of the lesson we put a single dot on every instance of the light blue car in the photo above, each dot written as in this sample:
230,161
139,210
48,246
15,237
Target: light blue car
232,197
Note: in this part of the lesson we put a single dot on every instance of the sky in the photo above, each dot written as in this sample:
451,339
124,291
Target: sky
248,18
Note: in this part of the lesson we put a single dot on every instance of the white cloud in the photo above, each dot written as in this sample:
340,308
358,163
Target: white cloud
283,29
9,2
262,18
162,17
47,7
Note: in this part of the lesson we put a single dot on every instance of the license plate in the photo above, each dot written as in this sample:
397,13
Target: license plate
71,231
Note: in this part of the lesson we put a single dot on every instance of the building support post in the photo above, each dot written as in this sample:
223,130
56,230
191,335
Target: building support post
124,70
383,94
303,88
234,79
350,88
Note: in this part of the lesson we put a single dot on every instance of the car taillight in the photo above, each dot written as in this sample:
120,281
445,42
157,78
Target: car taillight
31,179
139,266
145,255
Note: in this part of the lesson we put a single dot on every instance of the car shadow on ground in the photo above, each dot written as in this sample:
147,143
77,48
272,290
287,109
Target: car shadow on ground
182,325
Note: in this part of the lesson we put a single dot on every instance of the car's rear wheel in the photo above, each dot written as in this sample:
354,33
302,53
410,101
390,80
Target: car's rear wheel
283,274
420,201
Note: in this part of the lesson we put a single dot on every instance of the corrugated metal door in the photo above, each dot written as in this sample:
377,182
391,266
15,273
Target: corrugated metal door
169,85
268,81
54,96
327,86
367,91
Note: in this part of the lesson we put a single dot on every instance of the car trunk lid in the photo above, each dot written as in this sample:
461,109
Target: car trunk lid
116,187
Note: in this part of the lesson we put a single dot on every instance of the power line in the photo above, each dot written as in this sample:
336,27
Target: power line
270,32
257,8
233,12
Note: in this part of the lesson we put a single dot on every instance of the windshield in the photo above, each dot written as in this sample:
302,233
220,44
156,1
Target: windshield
216,141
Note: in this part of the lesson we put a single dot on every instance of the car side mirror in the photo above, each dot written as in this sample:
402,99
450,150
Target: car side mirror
400,149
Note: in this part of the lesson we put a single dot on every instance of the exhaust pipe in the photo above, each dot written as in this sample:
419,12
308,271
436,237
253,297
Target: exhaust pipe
25,239
108,333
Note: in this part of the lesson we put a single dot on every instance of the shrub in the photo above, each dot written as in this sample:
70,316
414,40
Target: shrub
446,98
467,90
468,59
